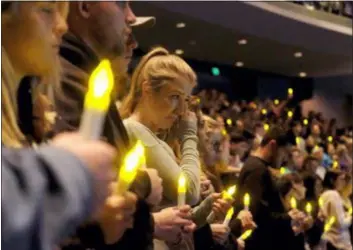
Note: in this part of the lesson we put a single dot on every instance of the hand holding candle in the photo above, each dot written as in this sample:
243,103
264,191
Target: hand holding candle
246,234
181,190
228,196
132,161
97,101
308,208
329,223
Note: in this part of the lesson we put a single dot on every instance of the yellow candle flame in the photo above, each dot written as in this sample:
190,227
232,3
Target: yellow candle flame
100,86
182,184
198,100
330,139
350,211
308,208
266,127
229,122
290,91
133,159
282,170
293,203
264,111
297,140
329,224
246,234
276,102
246,200
290,114
305,122
321,202
230,214
230,192
224,132
335,164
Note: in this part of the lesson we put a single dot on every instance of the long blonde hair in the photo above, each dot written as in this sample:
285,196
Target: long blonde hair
12,135
158,67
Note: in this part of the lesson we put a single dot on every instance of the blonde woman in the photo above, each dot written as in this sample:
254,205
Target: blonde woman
31,35
160,89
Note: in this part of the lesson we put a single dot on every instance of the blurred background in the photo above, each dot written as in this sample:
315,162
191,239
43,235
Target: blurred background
257,50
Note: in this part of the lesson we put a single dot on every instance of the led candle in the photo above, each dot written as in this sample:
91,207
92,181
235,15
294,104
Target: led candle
181,190
133,160
276,102
97,101
246,201
329,223
264,111
246,234
227,195
228,216
293,203
330,138
266,127
350,211
229,122
308,208
290,114
290,92
297,141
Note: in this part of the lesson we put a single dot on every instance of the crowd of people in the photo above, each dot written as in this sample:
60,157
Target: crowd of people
258,175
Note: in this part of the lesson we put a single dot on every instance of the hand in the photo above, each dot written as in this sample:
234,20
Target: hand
220,206
296,216
188,123
220,232
155,196
246,219
206,187
241,244
116,216
97,156
308,223
170,221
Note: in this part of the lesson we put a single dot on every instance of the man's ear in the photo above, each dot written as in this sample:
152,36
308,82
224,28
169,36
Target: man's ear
84,8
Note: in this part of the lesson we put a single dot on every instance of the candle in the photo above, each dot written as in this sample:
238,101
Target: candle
297,140
305,122
290,92
228,216
132,161
282,170
266,127
350,211
276,102
329,224
308,208
264,111
224,132
227,195
97,101
321,202
293,203
246,201
229,122
335,165
290,114
330,139
246,234
181,190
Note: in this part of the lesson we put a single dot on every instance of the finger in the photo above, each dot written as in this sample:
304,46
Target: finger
181,222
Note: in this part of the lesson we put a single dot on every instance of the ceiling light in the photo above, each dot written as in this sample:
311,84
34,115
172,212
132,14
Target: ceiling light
180,25
310,7
302,74
242,42
179,51
239,64
298,54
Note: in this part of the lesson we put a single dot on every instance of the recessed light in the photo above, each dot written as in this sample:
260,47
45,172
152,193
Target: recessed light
179,51
298,54
180,25
239,64
192,42
242,41
310,7
302,74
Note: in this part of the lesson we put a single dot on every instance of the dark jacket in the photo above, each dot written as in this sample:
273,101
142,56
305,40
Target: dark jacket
78,61
273,223
45,194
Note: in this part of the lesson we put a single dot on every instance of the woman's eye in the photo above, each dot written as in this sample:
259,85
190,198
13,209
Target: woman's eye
175,97
48,10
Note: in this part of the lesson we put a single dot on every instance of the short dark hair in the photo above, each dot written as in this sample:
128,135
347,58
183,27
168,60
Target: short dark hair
330,179
276,133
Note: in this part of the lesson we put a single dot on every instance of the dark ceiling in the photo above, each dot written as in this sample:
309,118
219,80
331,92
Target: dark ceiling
210,42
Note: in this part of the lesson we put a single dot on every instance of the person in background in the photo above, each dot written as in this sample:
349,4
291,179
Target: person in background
297,160
102,30
44,199
337,236
266,206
